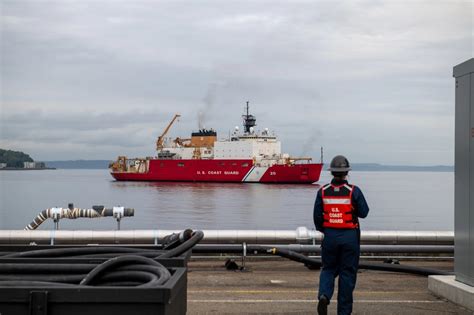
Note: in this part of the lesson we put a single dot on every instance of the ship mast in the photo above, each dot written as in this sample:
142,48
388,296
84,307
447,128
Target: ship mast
249,120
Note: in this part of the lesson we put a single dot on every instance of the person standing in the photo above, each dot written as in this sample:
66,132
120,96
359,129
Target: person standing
337,210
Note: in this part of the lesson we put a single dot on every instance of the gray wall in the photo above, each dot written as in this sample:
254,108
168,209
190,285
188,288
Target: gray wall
464,173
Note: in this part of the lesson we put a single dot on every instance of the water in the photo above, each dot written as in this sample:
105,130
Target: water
397,201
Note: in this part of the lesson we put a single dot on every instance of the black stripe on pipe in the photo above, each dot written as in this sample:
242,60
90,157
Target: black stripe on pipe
127,212
261,249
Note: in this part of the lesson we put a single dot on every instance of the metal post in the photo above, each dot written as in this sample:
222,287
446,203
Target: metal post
244,254
56,214
118,213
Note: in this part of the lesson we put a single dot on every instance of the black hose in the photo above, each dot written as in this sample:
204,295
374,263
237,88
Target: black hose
313,262
309,263
74,251
144,272
126,266
406,269
147,278
196,237
44,268
51,278
296,257
156,276
177,245
174,240
149,254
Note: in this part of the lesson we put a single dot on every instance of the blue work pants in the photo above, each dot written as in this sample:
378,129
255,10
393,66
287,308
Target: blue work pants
340,257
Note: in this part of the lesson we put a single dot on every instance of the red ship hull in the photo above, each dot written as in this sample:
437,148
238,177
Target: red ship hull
212,170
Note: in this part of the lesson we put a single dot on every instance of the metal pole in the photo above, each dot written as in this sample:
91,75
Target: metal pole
244,254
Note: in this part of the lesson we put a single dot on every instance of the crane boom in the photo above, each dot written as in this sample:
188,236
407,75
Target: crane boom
160,140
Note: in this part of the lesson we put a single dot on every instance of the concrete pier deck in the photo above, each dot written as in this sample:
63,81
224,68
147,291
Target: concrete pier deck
277,286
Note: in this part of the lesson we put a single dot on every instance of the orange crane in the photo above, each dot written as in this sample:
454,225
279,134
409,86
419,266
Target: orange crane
161,139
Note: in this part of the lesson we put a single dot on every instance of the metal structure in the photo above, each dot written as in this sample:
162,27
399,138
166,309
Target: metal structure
464,172
160,140
249,120
301,235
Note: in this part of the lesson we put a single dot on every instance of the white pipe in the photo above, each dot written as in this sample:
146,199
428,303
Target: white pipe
301,235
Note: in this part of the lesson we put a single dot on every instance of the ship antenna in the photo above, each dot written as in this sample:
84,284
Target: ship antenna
249,120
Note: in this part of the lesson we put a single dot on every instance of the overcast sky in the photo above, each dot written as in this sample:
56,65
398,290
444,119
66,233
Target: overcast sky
368,79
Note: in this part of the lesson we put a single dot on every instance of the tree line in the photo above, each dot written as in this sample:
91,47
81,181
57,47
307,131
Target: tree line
14,158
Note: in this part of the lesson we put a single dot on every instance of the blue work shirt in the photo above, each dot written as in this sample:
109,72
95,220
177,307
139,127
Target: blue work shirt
358,201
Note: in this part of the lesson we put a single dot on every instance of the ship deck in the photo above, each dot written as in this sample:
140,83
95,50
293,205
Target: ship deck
277,286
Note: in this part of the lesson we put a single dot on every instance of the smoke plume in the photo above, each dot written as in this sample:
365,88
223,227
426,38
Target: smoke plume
311,142
209,101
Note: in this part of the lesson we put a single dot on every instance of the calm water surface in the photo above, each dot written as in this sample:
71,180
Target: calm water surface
397,200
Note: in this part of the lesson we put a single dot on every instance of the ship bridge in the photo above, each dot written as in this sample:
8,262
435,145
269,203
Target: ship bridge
250,145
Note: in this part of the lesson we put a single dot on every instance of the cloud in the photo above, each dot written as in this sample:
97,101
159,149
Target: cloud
96,74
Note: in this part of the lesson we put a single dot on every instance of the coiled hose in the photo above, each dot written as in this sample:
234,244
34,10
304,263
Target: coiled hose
127,267
130,270
316,263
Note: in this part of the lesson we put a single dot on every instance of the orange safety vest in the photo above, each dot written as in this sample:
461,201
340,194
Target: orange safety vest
338,210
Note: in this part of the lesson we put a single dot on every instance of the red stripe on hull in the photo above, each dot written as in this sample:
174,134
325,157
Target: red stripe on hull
297,173
191,171
220,171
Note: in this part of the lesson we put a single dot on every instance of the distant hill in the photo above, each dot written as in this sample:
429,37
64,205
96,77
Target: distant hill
14,158
368,167
365,167
79,164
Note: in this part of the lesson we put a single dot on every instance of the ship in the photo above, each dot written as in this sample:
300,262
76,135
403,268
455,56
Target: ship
246,156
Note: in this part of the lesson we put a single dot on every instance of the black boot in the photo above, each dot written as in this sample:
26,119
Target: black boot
323,305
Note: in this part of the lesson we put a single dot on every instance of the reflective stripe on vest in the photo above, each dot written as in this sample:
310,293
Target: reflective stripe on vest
338,211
